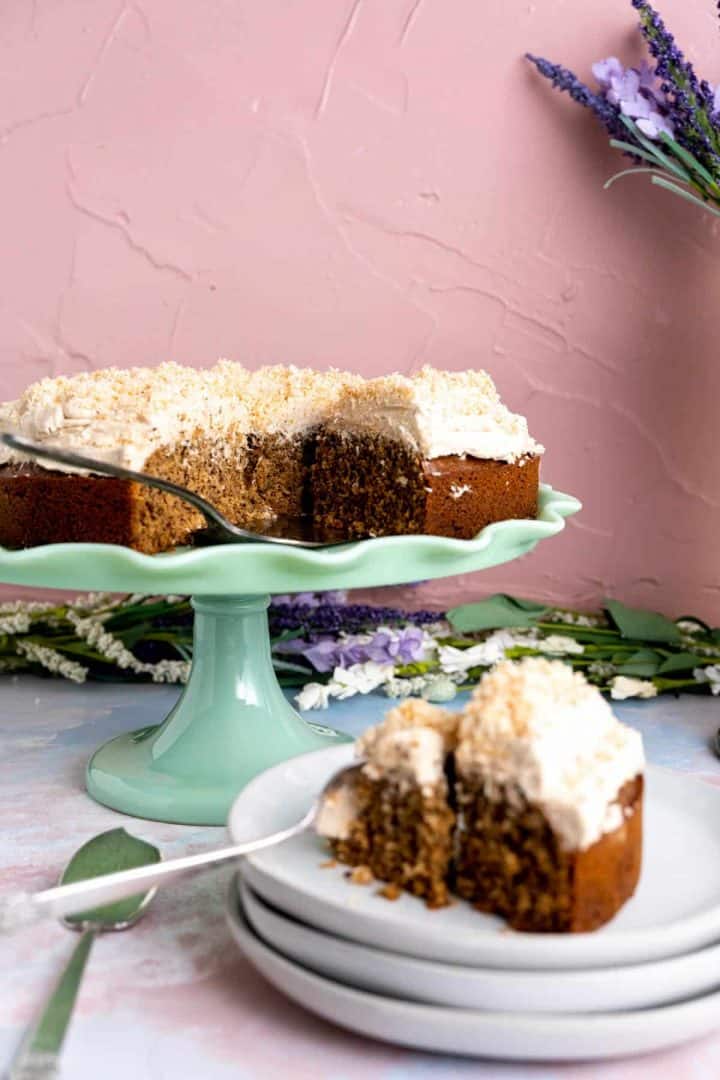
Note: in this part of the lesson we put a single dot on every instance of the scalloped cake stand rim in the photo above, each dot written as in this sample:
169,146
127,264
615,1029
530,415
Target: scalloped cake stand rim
258,569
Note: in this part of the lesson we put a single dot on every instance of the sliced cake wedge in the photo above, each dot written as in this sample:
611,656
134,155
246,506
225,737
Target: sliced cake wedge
437,453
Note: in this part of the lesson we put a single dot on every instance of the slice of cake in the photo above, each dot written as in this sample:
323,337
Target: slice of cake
438,453
550,790
173,422
396,819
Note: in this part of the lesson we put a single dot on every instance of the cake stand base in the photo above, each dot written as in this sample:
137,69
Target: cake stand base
232,722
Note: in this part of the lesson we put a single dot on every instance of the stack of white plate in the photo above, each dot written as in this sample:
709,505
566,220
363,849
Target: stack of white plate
460,982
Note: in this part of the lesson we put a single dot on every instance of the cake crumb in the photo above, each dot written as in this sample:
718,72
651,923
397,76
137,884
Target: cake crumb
361,875
328,864
390,892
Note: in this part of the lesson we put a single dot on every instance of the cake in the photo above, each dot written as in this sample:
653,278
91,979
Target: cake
549,791
396,819
281,442
437,453
528,804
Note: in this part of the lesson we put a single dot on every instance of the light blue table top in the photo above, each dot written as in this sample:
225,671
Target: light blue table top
173,998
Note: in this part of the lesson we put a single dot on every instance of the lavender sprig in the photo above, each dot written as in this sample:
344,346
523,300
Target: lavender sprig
671,130
332,618
567,81
691,101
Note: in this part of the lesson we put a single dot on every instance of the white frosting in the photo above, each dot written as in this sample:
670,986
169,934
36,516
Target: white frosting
410,745
541,729
123,417
439,414
290,401
413,754
337,813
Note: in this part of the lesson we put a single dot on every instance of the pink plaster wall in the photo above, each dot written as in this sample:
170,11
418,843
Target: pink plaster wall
377,184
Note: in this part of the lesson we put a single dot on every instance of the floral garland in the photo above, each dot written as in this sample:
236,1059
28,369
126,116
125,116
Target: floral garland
332,649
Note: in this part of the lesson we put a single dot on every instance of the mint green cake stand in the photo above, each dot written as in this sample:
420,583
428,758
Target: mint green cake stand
233,720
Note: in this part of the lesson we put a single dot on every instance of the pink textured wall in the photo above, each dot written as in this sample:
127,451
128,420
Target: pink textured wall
377,184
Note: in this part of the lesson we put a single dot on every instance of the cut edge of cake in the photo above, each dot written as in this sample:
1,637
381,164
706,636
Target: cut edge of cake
396,819
435,453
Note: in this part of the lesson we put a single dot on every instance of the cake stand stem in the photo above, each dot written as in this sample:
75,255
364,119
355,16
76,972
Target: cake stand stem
231,722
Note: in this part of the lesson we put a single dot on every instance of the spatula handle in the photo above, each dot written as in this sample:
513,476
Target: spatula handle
63,900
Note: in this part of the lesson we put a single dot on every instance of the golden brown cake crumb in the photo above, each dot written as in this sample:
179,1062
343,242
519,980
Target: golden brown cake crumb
361,875
390,892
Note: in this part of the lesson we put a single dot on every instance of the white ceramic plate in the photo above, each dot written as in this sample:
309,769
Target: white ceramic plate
598,990
506,1036
675,910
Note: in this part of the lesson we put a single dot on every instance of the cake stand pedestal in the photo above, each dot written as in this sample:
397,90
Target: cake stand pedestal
233,720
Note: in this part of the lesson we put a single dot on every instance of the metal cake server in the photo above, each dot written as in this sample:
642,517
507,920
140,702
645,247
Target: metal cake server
64,900
219,530
38,1057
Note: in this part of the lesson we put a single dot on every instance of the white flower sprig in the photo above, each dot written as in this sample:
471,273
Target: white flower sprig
355,649
53,661
92,630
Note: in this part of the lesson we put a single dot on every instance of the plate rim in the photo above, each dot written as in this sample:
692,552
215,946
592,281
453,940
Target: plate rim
603,1027
505,980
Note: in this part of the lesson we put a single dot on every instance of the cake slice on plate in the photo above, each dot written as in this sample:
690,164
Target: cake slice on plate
437,453
549,788
528,803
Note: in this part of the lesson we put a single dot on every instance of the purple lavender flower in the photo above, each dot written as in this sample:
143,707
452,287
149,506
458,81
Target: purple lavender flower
402,647
607,71
311,599
327,653
691,102
332,618
566,80
634,92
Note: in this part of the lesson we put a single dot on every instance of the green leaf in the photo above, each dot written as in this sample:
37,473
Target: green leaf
642,664
287,635
105,854
654,149
288,665
629,172
676,170
642,625
499,612
661,182
688,159
684,661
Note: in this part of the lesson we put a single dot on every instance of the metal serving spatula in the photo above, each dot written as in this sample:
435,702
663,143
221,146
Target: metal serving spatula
219,530
23,909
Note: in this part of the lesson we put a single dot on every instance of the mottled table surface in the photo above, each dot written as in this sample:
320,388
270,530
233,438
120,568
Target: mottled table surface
173,997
